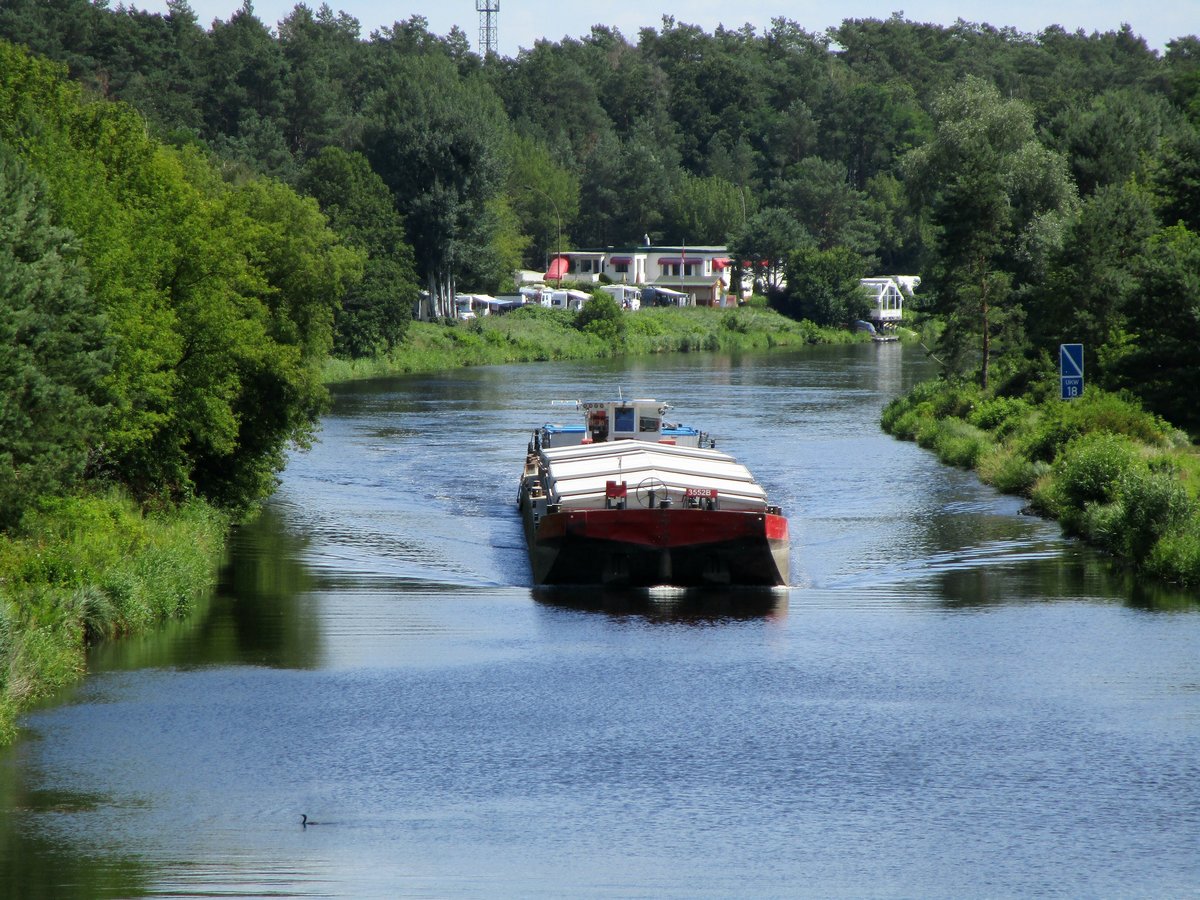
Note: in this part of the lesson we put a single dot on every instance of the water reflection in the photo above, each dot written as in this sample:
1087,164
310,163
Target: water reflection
34,862
688,606
266,561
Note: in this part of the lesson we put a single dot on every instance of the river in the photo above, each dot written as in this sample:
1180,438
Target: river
950,700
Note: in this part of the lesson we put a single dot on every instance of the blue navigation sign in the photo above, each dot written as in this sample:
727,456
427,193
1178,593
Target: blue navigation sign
1070,370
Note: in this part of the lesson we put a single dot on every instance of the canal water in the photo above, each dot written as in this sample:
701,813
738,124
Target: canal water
950,700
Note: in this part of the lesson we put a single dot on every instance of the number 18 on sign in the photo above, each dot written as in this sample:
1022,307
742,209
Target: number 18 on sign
1070,370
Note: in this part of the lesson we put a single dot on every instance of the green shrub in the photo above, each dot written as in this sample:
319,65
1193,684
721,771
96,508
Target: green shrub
1043,437
957,398
1176,556
1095,412
1091,467
602,317
1152,504
904,426
999,414
959,443
1102,524
1008,471
1102,411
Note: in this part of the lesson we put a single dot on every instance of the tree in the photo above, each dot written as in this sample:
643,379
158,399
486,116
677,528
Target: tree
543,194
821,198
374,313
246,79
1176,179
293,271
1110,140
824,286
764,244
703,210
995,198
53,351
502,247
1164,313
1095,272
624,182
436,140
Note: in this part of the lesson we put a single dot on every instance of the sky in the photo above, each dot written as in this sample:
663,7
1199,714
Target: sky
522,22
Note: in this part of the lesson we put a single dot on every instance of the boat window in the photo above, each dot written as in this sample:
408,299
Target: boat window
648,423
623,419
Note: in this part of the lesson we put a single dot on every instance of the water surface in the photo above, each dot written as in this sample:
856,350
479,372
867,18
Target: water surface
951,700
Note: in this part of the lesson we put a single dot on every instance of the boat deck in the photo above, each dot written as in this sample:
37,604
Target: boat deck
577,475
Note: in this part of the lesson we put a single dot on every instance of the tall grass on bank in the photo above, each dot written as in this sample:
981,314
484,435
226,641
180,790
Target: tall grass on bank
536,334
1107,470
86,568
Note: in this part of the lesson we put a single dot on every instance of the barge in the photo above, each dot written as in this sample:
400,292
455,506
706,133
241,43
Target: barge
628,499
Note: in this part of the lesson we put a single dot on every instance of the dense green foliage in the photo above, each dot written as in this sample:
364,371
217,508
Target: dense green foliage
956,152
52,355
162,331
183,325
1045,186
374,313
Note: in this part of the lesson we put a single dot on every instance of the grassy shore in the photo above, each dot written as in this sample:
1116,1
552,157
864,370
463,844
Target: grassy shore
86,568
1107,470
535,334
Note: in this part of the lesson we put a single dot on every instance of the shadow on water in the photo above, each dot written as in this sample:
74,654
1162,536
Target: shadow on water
688,606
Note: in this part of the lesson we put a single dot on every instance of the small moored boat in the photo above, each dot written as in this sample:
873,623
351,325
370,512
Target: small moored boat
626,498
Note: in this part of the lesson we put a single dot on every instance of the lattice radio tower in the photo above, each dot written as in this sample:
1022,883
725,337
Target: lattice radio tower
489,14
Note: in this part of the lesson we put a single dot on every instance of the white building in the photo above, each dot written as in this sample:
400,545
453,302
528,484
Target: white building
703,273
888,293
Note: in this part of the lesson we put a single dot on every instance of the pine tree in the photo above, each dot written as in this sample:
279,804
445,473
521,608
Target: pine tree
52,353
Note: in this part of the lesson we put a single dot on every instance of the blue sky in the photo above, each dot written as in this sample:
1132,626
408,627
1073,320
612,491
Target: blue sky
521,22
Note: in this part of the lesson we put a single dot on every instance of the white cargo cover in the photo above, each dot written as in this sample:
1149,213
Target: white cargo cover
578,474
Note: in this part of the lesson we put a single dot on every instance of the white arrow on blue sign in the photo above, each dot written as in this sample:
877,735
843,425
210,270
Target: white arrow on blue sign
1070,370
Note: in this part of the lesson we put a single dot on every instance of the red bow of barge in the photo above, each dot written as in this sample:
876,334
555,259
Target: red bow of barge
627,499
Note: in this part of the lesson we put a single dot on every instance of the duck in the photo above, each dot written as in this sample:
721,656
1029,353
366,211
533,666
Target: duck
305,821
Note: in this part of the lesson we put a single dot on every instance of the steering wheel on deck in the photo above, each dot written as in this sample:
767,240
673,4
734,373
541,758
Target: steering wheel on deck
648,486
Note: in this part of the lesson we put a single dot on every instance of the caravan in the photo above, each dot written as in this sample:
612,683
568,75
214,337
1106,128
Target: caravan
567,299
626,295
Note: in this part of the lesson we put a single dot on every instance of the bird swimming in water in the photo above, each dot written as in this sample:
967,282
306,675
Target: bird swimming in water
305,821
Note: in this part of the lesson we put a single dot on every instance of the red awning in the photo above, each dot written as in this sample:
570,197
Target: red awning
676,261
720,263
621,260
558,268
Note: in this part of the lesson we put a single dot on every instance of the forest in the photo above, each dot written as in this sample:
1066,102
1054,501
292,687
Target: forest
199,212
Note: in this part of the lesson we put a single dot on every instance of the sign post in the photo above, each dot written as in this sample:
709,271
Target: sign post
1070,370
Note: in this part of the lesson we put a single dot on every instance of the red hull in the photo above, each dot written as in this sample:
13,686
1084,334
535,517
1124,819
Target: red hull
677,546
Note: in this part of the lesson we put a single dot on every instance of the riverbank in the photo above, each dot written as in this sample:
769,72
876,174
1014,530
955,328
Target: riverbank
1110,472
536,334
87,568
